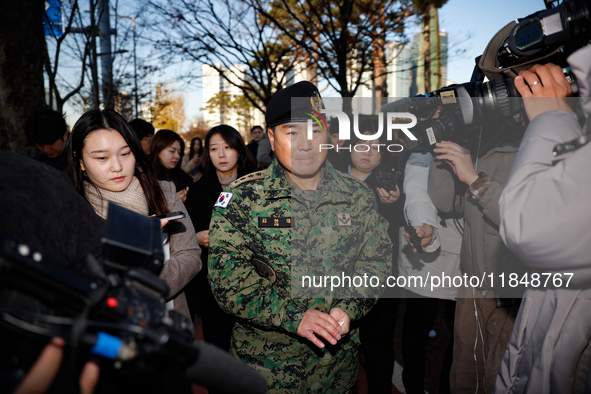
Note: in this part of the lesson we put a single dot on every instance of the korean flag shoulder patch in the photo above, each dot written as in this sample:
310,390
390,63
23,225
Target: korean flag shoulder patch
223,200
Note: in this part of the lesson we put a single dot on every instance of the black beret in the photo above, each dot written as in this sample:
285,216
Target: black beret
305,97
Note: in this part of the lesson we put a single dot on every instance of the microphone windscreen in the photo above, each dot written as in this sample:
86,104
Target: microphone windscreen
222,373
400,105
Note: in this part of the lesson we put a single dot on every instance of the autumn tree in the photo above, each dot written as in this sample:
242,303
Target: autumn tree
219,104
339,35
198,129
225,105
168,110
245,111
124,104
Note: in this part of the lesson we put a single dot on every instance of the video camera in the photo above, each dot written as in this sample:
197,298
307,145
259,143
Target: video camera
120,316
547,36
563,27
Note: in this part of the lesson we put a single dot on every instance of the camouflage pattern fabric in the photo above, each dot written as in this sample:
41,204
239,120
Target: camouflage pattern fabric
270,232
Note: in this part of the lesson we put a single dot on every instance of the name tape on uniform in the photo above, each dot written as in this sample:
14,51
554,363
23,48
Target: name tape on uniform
223,200
274,222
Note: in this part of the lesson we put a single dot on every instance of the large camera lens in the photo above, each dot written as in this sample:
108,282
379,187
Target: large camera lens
579,17
495,96
472,104
485,102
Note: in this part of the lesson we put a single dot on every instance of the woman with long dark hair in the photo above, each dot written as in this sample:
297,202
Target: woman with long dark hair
168,149
190,163
225,159
106,163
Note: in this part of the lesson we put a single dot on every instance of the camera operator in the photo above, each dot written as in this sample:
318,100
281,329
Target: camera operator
545,215
41,208
471,183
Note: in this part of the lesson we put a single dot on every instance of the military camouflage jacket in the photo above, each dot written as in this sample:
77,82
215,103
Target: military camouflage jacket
265,236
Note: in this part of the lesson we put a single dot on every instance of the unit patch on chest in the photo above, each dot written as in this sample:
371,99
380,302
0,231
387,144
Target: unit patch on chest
344,219
274,222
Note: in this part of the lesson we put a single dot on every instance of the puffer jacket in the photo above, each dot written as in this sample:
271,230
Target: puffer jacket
545,217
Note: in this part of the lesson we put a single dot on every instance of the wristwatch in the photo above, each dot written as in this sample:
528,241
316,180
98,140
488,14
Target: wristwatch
480,185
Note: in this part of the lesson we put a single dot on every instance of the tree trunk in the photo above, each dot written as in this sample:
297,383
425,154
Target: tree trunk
21,71
379,62
427,49
436,49
342,80
313,64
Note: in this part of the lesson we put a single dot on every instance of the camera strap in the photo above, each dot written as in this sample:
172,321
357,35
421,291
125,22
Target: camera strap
571,146
478,149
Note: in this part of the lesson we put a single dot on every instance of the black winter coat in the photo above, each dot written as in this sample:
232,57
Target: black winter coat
200,200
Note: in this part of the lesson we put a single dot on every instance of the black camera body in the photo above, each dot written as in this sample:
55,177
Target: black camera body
464,109
387,179
125,316
120,316
565,26
543,37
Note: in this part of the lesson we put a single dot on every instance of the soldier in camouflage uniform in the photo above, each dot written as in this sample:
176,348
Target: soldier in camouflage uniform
299,217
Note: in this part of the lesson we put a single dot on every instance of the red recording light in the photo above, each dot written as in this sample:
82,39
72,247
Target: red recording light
112,302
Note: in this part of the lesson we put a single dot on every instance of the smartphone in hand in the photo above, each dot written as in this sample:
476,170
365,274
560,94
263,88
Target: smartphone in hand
171,215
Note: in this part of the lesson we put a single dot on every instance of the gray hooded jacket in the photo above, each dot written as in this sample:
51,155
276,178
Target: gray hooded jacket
545,214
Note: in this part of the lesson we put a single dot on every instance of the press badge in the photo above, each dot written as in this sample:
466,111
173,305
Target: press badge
223,200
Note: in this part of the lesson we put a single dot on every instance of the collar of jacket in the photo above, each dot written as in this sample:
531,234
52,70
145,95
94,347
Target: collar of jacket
212,180
276,183
333,185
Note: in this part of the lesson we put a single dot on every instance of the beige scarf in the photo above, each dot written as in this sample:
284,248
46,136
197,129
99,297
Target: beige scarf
225,181
131,198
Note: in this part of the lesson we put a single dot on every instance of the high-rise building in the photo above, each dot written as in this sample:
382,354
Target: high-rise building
214,84
399,59
405,66
443,55
438,64
297,74
398,65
